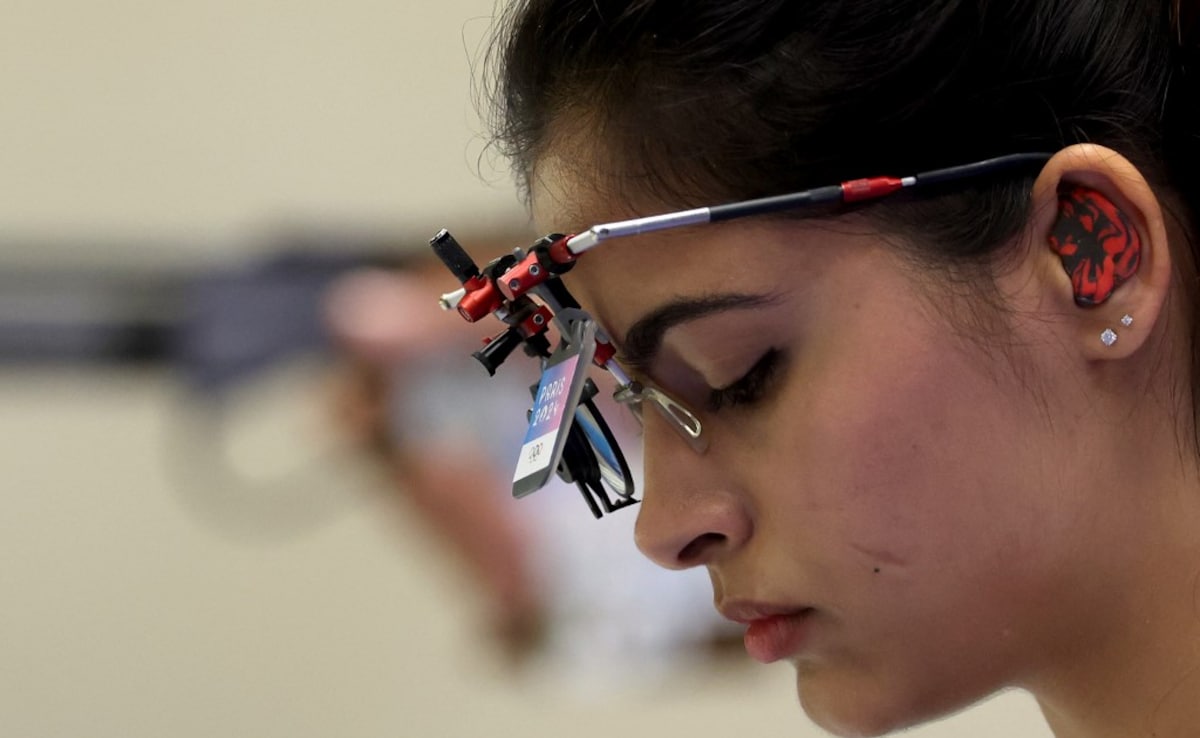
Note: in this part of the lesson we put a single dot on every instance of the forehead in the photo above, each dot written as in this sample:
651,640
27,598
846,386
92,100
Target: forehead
622,280
566,196
581,178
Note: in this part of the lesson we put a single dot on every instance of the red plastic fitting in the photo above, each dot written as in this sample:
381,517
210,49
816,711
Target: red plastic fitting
857,190
480,300
604,352
538,322
559,253
522,277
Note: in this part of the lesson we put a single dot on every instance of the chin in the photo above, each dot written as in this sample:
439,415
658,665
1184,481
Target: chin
862,708
855,723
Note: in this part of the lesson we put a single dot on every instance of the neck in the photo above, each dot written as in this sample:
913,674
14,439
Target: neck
1137,672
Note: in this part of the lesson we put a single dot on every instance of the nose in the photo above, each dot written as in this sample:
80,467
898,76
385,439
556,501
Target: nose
691,514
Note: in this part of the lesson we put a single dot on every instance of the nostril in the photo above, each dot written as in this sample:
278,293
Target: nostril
700,548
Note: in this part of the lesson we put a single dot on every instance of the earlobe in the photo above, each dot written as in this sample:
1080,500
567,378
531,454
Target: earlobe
1105,248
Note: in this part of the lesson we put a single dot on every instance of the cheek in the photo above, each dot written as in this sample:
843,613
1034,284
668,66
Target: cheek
910,508
875,451
913,460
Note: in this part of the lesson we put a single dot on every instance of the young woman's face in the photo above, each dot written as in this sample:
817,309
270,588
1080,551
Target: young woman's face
887,487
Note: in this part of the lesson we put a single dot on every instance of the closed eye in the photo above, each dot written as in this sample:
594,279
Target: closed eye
753,385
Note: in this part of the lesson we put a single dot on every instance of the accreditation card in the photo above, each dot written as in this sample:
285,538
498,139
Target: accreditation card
553,411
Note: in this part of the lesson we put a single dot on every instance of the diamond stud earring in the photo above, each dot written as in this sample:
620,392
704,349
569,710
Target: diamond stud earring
1127,320
1108,337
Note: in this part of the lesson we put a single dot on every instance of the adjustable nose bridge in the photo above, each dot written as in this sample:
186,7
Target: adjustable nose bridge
690,514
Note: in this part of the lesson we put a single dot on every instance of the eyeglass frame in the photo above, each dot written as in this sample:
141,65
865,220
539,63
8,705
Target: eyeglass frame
553,255
683,419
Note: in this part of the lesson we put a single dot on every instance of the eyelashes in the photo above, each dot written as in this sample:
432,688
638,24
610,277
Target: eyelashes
754,385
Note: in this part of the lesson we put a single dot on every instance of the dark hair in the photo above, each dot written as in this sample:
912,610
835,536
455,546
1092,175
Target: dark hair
717,100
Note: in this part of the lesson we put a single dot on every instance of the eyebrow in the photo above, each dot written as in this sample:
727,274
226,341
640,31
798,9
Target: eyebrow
644,339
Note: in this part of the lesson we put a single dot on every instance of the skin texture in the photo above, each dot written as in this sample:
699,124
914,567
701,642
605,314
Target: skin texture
962,513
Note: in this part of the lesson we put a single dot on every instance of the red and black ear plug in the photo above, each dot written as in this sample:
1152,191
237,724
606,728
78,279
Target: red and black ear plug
1099,247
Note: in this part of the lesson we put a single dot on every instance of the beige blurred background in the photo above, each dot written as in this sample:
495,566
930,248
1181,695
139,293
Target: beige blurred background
146,594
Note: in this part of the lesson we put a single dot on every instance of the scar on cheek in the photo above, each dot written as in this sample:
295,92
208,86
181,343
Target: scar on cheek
877,559
1099,247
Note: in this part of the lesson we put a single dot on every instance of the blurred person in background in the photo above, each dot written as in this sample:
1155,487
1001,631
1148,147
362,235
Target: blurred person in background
553,584
408,394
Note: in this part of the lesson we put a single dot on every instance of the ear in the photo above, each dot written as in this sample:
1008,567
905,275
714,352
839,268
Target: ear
1099,248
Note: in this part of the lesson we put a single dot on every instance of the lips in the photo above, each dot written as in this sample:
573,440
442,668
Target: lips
772,632
777,637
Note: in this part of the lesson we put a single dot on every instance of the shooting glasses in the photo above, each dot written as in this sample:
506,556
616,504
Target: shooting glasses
566,433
